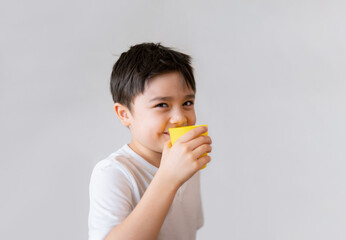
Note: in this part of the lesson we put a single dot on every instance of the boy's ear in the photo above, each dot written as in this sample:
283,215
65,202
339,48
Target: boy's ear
123,114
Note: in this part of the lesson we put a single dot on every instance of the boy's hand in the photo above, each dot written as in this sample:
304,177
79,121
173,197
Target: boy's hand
182,160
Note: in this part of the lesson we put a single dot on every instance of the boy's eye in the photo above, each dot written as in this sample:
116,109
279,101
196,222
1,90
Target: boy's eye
161,105
188,103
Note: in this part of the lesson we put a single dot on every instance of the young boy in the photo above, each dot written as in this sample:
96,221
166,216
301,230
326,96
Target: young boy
150,189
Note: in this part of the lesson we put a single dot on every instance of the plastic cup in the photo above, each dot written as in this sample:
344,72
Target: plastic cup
176,133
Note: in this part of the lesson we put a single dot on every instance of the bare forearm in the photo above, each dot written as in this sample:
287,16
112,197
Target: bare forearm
146,220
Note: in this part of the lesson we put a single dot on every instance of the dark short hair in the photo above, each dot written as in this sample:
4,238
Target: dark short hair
134,69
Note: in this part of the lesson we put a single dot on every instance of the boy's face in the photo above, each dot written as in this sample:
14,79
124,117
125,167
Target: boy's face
165,103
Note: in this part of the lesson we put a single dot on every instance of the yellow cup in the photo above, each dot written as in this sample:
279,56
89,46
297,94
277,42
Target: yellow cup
176,133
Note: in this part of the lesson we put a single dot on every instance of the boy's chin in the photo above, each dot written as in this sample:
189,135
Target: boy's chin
162,146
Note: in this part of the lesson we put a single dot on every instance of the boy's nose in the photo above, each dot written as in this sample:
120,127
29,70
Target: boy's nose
178,118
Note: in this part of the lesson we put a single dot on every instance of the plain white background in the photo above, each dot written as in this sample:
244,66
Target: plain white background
271,83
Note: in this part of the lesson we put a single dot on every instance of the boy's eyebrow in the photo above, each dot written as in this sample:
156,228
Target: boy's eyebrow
168,98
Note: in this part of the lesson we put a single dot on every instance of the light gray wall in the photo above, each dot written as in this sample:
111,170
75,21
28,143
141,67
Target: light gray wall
271,85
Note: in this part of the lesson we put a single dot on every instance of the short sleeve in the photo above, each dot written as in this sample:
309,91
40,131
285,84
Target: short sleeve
111,195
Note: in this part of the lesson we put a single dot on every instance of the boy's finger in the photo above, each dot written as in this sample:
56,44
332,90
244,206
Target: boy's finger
205,148
193,134
198,141
202,161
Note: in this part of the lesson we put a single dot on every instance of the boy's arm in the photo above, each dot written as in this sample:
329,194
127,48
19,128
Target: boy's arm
178,164
146,219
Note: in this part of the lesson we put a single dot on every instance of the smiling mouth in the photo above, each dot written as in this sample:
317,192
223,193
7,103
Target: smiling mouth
166,133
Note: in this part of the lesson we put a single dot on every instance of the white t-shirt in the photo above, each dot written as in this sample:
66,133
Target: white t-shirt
118,183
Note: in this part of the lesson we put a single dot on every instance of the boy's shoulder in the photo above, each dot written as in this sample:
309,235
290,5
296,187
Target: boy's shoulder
113,172
123,173
117,160
124,161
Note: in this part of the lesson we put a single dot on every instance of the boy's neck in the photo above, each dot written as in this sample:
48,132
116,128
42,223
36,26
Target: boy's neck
152,157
